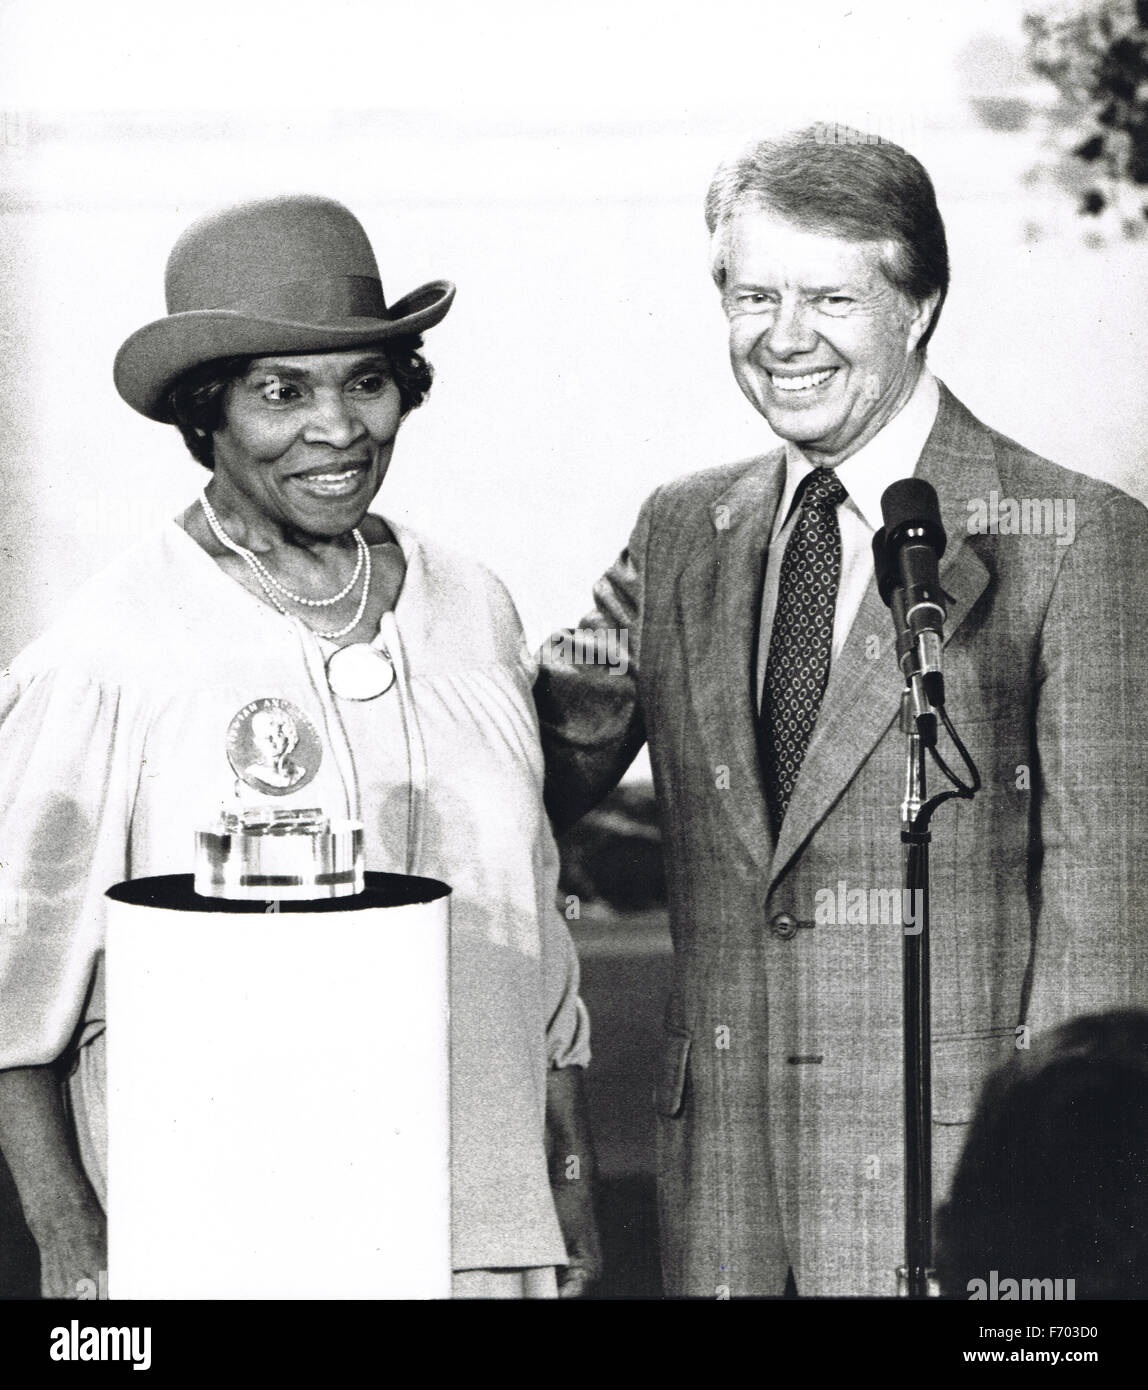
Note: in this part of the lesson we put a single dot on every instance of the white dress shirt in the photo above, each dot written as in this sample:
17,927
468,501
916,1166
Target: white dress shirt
892,454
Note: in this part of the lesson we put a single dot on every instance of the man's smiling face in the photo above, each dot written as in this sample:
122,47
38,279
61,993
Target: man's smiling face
820,341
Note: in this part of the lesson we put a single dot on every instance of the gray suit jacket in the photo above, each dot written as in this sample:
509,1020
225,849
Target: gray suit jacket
780,1108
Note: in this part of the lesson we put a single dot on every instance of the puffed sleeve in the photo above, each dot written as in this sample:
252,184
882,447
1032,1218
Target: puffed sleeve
67,778
567,1019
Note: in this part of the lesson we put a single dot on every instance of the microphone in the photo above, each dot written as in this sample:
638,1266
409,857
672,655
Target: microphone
913,542
889,587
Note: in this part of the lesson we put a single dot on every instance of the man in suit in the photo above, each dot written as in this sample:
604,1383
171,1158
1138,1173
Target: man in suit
761,672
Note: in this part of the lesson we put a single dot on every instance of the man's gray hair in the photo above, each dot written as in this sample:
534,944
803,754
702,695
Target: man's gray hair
844,183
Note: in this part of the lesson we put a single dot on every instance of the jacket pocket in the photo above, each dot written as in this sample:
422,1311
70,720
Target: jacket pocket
670,1089
960,1068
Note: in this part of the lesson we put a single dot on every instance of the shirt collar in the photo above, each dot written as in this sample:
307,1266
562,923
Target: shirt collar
892,454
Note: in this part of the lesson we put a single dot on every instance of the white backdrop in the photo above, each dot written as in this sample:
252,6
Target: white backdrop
552,160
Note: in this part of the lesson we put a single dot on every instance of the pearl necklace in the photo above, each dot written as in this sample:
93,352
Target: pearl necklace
257,563
267,579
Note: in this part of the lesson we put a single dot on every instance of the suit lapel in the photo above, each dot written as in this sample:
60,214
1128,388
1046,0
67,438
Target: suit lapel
863,696
719,602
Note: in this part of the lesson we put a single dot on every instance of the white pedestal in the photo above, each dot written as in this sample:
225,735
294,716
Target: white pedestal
278,1095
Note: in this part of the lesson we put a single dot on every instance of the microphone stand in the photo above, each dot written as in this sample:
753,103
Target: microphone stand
906,553
916,1279
919,720
922,710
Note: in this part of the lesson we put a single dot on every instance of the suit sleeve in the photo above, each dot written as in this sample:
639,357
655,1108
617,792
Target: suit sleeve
1090,947
587,691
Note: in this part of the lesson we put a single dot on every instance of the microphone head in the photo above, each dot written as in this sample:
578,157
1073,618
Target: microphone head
911,504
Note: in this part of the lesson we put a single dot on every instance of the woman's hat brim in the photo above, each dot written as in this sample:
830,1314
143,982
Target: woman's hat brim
157,355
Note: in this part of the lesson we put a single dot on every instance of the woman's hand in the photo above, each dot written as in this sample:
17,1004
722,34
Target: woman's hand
573,1170
574,1202
73,1252
62,1211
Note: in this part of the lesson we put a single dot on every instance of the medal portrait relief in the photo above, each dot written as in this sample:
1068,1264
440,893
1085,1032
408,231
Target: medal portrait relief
273,747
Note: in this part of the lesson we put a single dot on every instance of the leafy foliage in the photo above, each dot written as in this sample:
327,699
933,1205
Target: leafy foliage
1097,59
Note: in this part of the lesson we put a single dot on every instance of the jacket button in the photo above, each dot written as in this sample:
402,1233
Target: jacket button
783,926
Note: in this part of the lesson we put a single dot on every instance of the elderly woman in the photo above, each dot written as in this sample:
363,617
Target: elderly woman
289,378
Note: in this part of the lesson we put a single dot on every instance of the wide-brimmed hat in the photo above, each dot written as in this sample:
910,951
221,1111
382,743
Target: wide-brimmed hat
291,274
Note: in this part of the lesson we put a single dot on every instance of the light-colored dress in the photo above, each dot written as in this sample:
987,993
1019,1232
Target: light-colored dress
113,732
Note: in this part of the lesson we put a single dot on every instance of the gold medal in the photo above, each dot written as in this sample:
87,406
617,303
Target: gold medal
359,672
273,747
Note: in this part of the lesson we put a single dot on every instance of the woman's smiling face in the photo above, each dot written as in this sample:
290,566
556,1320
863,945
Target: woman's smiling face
306,440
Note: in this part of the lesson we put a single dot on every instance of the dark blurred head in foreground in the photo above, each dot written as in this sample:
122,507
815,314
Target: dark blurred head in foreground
1053,1181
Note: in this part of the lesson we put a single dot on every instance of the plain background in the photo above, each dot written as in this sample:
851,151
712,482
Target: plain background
552,160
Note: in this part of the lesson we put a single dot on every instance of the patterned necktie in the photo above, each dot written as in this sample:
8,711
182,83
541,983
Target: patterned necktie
801,642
